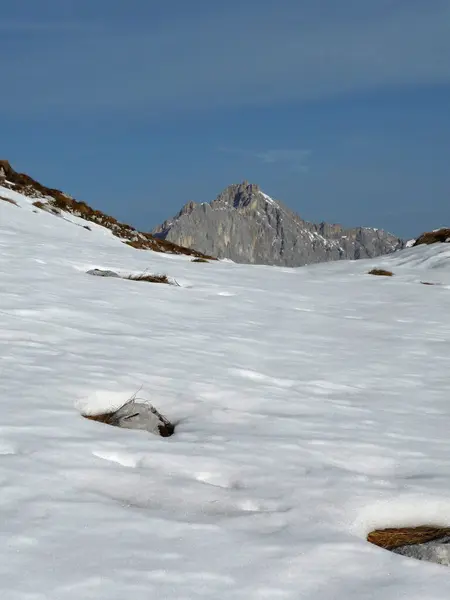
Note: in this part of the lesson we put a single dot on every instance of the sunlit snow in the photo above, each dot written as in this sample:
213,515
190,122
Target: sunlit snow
312,405
267,198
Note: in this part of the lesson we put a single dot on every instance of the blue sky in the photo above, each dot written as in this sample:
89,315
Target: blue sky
339,108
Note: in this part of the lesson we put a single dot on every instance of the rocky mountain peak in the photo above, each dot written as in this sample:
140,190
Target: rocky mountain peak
246,225
187,208
5,169
238,195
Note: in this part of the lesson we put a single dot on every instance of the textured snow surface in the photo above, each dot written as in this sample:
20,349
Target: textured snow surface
312,406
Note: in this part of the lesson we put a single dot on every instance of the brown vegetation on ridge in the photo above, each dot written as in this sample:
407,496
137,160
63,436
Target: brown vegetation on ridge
59,201
433,237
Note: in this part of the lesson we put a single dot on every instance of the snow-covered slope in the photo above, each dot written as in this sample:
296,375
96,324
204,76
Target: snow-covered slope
56,202
312,406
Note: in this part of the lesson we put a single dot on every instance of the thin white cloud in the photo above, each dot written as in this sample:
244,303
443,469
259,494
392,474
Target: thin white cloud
293,158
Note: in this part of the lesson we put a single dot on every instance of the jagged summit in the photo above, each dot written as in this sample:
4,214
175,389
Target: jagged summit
58,203
239,195
246,225
242,195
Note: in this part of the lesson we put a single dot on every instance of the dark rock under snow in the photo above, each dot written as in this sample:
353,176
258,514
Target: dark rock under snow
102,273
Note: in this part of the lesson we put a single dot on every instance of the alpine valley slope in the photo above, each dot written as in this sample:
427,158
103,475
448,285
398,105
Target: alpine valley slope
311,408
248,226
59,203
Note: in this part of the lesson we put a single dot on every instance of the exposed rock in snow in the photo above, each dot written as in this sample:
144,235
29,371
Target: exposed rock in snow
424,542
441,235
437,551
102,273
137,415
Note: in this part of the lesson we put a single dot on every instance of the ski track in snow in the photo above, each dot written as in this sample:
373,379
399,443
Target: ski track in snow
311,404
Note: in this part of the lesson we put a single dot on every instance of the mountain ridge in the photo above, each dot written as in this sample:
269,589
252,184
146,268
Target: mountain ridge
246,225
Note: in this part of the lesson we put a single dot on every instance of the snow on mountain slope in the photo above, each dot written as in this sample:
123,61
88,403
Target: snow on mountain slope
311,404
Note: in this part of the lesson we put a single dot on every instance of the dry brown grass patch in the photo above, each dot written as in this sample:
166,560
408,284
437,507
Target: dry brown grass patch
8,200
149,278
39,204
381,272
137,244
406,536
433,237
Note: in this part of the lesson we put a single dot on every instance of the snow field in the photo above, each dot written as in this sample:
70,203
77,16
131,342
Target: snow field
312,407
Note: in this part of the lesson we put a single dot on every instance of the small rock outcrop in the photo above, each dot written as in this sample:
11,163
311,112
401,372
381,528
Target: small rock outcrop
426,542
147,277
136,414
102,273
441,235
437,551
247,226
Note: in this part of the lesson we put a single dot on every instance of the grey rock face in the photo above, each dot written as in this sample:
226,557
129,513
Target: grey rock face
135,414
437,551
142,415
101,273
247,226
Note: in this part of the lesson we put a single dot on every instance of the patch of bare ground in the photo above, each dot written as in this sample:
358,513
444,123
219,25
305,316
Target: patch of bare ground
39,204
8,200
406,536
381,272
433,237
149,278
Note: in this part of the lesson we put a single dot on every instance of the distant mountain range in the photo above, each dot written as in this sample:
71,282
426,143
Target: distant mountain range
243,224
246,225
